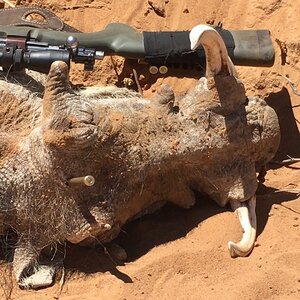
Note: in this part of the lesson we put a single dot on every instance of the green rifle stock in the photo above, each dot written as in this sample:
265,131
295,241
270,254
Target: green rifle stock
245,47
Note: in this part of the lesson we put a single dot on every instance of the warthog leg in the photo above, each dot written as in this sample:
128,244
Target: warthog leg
246,213
29,274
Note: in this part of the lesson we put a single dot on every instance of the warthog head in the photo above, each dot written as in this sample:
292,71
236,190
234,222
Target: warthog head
140,152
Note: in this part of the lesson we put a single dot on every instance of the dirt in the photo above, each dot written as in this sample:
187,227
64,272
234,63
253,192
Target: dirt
182,254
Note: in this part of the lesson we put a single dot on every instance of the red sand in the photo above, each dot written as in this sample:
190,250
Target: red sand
178,254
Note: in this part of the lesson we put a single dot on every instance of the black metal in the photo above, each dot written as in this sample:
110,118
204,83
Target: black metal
244,47
39,56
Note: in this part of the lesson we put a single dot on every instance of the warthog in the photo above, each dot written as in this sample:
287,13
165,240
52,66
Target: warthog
140,152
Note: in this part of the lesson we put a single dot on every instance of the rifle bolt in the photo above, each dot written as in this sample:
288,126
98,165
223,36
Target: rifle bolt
72,42
88,180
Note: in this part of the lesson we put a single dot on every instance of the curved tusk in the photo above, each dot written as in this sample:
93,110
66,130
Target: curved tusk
217,58
246,213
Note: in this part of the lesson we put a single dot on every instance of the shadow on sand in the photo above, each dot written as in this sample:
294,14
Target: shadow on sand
171,223
167,224
290,136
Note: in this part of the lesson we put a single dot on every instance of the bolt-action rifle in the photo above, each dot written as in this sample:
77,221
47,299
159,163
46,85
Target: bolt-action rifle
36,48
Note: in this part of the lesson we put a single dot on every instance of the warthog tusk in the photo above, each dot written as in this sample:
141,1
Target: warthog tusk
88,180
246,213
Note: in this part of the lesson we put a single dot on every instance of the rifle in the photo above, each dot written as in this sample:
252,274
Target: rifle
36,48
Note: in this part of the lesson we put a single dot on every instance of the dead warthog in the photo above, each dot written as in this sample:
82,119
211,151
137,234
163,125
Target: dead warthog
140,152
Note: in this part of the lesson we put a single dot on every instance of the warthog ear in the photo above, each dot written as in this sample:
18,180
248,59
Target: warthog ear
56,88
67,119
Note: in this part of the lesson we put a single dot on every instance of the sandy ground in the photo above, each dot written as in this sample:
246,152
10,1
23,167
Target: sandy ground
179,254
